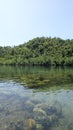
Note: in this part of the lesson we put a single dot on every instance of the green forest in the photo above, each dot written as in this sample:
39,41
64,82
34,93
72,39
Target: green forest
39,51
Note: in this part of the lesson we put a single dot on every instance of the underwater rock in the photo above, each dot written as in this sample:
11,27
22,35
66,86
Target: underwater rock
5,126
39,105
51,110
58,108
54,108
39,110
36,101
29,103
52,118
19,125
1,108
70,126
46,124
39,127
29,106
31,123
39,114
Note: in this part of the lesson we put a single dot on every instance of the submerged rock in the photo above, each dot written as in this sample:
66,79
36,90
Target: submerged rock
39,110
31,124
70,126
29,106
39,114
39,127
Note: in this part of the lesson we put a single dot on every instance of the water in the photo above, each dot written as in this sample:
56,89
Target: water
36,98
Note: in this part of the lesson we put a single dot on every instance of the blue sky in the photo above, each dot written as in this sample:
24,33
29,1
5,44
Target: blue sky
22,20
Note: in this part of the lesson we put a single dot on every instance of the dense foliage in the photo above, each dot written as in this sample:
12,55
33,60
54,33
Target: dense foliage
39,51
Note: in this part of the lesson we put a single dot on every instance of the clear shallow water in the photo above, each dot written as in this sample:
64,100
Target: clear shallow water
22,108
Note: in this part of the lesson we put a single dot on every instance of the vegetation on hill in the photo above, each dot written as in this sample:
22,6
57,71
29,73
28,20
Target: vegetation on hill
39,51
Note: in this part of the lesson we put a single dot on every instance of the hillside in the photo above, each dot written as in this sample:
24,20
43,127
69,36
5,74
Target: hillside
39,51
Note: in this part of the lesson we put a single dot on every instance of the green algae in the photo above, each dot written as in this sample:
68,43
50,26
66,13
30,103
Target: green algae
39,81
39,77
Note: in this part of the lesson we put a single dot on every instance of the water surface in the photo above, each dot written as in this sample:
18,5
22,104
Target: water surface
36,98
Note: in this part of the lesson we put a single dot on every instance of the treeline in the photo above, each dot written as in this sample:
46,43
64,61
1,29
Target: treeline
39,51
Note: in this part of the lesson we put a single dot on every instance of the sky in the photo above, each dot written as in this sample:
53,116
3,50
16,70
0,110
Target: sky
23,20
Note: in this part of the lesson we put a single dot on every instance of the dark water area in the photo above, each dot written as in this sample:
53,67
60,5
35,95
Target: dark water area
36,98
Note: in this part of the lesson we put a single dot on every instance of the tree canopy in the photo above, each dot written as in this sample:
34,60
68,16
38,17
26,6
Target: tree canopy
39,51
